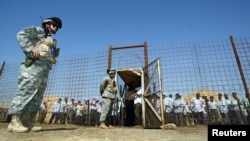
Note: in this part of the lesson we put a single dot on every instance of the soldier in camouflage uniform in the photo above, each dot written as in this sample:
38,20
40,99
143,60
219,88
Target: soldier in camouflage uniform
108,90
40,50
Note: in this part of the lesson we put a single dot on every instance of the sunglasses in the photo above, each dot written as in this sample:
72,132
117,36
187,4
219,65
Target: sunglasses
54,24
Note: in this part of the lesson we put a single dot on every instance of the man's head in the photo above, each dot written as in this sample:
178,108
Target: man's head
112,73
51,25
219,95
198,95
177,96
226,96
66,99
234,95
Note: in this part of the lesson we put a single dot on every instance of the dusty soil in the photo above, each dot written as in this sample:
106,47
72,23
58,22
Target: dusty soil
52,132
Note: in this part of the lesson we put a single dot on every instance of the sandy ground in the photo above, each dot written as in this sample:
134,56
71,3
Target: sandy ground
52,132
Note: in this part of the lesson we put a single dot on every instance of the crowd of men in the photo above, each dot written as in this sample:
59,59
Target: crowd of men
74,112
222,110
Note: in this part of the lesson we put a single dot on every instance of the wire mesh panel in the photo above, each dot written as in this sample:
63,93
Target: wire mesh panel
241,50
128,57
153,99
187,68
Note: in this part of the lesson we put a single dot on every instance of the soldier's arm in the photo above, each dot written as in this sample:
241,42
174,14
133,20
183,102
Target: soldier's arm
28,37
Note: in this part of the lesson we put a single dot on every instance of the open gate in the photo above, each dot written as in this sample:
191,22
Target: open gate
152,103
149,79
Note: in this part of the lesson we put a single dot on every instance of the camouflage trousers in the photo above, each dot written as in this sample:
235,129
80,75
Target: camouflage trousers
32,82
106,110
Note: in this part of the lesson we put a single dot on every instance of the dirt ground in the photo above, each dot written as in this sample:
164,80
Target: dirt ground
59,132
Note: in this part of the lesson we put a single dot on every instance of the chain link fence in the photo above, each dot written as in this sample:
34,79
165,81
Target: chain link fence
208,68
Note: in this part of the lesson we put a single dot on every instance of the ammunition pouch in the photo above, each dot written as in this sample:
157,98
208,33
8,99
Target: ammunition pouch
44,50
111,89
57,51
48,50
29,59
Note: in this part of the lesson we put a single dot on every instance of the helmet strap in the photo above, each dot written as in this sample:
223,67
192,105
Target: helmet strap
47,31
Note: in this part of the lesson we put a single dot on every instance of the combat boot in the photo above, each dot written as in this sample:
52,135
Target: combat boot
16,125
27,122
103,126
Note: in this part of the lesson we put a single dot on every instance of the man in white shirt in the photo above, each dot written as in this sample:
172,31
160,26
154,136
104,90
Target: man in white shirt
71,112
223,109
138,106
198,108
42,112
55,111
168,102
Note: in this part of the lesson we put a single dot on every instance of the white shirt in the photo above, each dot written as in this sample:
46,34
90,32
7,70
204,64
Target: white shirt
78,110
222,105
138,97
168,102
212,105
178,105
198,105
56,107
93,105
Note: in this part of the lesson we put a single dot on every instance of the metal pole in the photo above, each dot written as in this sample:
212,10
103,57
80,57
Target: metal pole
110,57
240,68
1,70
